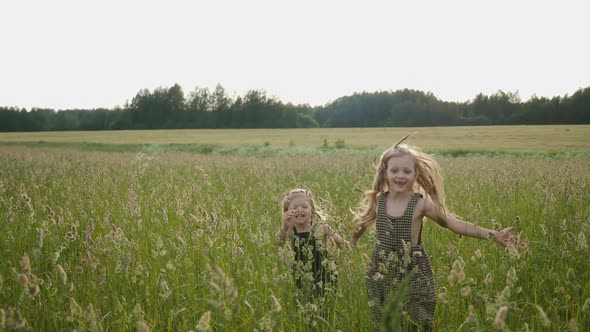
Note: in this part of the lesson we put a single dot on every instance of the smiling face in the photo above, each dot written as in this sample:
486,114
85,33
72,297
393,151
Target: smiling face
301,209
401,173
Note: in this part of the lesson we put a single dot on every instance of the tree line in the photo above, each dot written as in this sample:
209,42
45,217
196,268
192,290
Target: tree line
169,108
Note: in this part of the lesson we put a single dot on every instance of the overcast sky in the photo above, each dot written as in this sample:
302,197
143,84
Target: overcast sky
88,54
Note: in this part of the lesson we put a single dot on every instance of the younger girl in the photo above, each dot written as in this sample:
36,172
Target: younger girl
314,273
407,187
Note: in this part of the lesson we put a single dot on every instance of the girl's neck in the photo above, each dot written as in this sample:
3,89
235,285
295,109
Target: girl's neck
403,196
303,228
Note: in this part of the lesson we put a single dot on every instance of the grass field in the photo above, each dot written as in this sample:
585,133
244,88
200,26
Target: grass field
484,138
94,240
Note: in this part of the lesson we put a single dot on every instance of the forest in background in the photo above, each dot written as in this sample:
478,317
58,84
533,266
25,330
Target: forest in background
170,108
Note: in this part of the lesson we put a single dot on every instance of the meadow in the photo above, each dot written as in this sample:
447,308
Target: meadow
143,237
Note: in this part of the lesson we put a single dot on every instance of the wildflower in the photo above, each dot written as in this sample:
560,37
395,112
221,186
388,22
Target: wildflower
142,327
516,220
478,206
204,324
79,269
500,320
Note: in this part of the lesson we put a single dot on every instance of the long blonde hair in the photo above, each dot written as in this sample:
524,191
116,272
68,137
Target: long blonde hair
429,182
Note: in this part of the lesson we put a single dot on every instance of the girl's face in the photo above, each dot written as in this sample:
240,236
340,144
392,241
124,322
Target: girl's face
401,173
300,208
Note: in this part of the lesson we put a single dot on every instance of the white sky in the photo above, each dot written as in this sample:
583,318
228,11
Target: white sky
88,54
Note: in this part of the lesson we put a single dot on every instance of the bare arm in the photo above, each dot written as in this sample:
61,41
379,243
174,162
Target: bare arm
286,230
358,232
329,234
465,228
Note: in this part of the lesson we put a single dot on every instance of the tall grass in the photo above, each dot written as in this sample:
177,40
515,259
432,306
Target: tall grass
122,241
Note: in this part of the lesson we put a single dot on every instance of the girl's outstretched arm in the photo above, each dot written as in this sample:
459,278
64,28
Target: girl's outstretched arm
330,235
358,232
465,228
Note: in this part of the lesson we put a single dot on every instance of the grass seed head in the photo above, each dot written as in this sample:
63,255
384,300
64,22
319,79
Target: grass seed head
61,275
141,326
25,264
34,289
500,320
204,324
23,279
465,291
544,319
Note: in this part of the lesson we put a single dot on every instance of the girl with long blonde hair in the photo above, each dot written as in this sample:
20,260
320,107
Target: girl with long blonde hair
408,186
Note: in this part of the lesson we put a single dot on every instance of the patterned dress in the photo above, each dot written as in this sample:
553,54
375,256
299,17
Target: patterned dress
395,258
314,274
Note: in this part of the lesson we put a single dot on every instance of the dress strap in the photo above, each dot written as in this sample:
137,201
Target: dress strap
381,202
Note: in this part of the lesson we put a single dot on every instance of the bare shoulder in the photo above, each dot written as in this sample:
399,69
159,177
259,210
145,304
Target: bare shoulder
421,206
425,208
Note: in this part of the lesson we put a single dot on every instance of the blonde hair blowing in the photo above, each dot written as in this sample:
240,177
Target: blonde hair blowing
429,182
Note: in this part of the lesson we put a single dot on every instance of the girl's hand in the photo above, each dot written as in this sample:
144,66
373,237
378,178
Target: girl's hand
286,230
504,237
288,220
347,245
